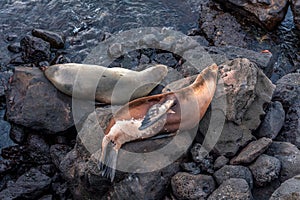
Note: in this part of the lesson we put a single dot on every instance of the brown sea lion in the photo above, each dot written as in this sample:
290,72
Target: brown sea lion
148,116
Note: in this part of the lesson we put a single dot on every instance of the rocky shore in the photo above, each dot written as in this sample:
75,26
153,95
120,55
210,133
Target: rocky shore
47,153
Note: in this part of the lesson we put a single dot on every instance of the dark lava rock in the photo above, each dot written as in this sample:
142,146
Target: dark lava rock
291,129
268,14
46,197
143,186
295,4
273,121
37,151
265,169
289,190
205,162
233,171
263,193
252,151
287,90
30,185
232,138
35,49
165,59
289,156
233,188
222,54
4,80
14,153
15,48
187,186
34,102
6,166
56,40
220,162
58,152
5,140
17,134
221,28
191,167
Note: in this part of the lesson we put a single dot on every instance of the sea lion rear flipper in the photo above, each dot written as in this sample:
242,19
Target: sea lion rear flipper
108,160
156,112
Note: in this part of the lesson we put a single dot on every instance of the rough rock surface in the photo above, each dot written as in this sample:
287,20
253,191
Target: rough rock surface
251,151
287,90
5,140
233,188
28,186
34,102
273,121
291,129
290,189
268,14
35,49
289,156
58,152
220,162
187,186
55,40
247,90
233,171
295,4
265,169
4,79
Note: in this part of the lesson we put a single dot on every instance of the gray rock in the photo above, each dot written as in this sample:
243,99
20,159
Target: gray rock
34,102
273,121
265,169
290,189
15,47
55,40
5,140
220,162
233,171
187,186
287,90
46,197
4,80
232,138
28,186
289,156
221,28
35,49
263,193
37,150
251,151
143,186
222,54
267,14
58,152
295,5
191,168
291,129
233,188
17,134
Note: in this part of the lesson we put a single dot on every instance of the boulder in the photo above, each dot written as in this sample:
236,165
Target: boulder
34,102
287,90
251,151
265,169
56,40
35,50
289,156
30,185
266,13
188,186
233,171
273,121
233,188
295,5
290,189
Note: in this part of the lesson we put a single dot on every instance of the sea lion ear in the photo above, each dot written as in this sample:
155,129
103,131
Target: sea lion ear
156,112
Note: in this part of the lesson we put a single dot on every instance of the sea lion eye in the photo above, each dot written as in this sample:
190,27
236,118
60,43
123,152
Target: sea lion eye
114,144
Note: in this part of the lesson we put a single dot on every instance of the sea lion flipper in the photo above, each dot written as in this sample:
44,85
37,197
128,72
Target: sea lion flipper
156,112
108,160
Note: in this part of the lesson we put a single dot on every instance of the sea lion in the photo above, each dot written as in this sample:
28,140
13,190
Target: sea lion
145,117
88,81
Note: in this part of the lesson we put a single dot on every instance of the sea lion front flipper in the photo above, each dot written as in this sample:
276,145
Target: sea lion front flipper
108,160
156,112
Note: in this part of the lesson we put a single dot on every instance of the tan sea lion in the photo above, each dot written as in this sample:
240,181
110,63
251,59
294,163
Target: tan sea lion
145,117
93,81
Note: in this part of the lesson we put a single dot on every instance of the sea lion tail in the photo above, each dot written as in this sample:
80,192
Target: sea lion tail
108,160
